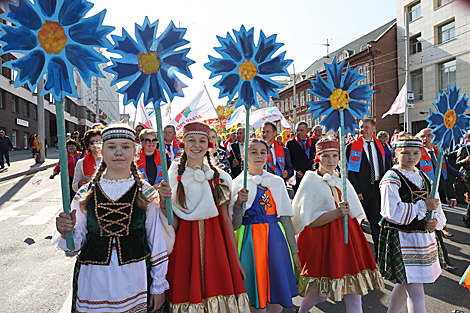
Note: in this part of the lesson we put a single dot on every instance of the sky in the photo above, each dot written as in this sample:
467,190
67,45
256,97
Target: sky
302,25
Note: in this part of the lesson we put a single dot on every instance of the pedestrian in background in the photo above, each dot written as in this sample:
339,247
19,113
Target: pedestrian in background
5,147
408,250
72,158
87,165
148,157
37,149
219,157
123,259
383,137
463,160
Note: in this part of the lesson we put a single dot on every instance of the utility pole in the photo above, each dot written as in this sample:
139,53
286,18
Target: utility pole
98,118
327,47
295,100
407,118
41,119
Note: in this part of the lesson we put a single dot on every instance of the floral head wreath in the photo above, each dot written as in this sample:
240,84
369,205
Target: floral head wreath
197,128
326,146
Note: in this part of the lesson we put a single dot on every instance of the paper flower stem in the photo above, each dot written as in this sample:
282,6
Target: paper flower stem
64,171
437,177
344,186
245,158
161,147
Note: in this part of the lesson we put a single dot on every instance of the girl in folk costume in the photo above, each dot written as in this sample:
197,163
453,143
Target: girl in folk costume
148,157
116,227
204,271
408,251
266,254
87,166
331,268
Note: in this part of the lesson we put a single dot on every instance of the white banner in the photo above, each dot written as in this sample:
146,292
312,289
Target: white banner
398,106
257,118
142,116
200,109
238,116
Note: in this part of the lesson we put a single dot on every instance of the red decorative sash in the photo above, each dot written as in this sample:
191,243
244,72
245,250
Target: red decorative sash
176,148
425,164
307,146
142,163
89,165
280,159
357,146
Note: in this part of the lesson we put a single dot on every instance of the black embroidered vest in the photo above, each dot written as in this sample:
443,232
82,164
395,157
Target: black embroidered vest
119,224
410,193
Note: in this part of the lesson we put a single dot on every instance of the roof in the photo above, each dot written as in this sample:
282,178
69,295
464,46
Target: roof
352,48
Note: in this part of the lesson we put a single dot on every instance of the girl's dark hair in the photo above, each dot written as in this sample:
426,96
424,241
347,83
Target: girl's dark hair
256,140
181,196
88,135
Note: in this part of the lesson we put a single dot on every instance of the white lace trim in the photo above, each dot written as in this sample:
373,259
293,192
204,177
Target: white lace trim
159,285
116,181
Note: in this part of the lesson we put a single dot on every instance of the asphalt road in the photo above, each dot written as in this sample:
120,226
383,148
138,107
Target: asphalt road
36,277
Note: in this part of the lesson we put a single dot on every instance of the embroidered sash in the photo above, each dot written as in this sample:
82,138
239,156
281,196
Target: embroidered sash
89,165
176,148
142,163
425,164
280,160
355,158
306,144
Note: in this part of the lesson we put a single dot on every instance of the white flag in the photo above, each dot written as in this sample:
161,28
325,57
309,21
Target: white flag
238,116
200,109
141,115
272,114
398,106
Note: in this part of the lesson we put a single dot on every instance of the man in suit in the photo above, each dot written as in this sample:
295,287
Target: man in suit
302,152
237,150
171,144
445,188
463,160
279,162
366,167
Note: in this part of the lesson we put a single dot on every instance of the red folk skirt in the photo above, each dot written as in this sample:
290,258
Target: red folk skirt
331,268
203,270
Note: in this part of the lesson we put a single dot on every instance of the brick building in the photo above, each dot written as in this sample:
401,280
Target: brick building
376,56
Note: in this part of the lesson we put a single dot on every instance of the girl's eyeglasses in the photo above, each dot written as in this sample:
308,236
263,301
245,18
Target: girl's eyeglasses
95,142
146,140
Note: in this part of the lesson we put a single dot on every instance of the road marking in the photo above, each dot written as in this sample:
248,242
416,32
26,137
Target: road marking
9,211
16,179
67,304
43,216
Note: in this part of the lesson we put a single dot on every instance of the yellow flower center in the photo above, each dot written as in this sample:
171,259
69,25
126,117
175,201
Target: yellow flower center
449,119
52,37
148,63
247,70
339,99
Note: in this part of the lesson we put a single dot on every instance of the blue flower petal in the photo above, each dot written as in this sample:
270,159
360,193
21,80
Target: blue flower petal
247,96
334,73
350,123
134,89
435,118
358,108
25,15
266,47
155,93
91,32
453,95
86,61
172,85
228,86
265,88
461,105
331,121
122,70
179,61
321,88
30,68
71,12
275,67
229,48
47,7
61,85
361,92
146,33
125,45
169,40
350,78
18,39
319,108
245,40
220,66
441,102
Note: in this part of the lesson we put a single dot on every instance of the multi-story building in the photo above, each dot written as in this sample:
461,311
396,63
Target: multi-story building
19,111
439,52
375,54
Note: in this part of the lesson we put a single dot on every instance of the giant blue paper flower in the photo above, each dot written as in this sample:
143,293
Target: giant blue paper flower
450,122
54,37
246,68
149,64
340,93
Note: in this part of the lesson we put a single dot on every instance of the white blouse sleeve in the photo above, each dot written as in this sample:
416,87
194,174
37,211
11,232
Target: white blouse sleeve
439,215
392,207
78,175
80,229
157,245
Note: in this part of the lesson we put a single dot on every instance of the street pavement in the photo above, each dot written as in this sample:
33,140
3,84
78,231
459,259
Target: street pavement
36,277
22,163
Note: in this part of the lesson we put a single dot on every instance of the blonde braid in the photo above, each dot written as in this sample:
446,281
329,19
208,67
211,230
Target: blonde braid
217,189
89,195
180,195
141,200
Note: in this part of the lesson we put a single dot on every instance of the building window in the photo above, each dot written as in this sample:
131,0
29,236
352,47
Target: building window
14,109
25,141
25,108
302,97
417,84
447,74
415,44
291,103
446,32
414,11
35,112
442,2
367,73
13,137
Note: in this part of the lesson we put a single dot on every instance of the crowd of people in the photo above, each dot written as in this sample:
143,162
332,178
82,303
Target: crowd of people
236,249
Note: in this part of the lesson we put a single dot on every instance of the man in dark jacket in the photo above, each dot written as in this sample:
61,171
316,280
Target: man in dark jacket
279,162
5,147
235,158
463,160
